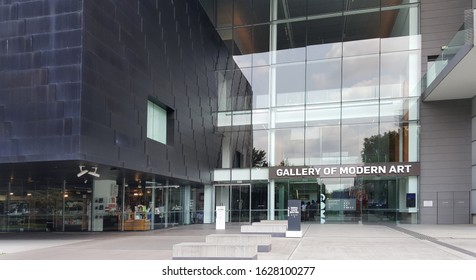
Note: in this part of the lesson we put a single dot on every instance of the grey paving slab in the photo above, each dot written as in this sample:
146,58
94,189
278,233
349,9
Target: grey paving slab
319,242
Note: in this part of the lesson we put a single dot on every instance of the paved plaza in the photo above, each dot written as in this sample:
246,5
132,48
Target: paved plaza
319,242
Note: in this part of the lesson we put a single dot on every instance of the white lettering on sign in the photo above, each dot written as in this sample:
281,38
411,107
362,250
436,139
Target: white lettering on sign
343,170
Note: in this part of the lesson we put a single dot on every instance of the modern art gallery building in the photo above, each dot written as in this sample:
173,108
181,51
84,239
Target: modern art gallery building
137,115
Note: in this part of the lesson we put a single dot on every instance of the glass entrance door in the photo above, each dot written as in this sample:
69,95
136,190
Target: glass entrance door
236,199
308,192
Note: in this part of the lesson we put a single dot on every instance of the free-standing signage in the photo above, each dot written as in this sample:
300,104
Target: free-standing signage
220,217
294,219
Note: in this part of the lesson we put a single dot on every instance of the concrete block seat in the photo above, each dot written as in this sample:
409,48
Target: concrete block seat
277,222
262,241
259,228
270,222
210,251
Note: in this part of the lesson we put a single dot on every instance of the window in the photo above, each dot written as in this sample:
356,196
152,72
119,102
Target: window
156,122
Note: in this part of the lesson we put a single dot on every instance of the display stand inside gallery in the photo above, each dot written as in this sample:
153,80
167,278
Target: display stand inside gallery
137,220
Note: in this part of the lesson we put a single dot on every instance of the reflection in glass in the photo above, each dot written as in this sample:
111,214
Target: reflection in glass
318,7
259,201
322,145
281,196
289,147
291,9
243,13
260,85
353,137
394,142
260,148
315,52
224,13
362,4
243,46
290,93
399,22
362,26
323,114
360,112
289,117
323,81
260,119
247,12
400,72
360,78
290,42
324,31
361,47
261,45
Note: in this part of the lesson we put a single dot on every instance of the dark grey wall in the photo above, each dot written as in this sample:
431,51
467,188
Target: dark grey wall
445,154
135,50
440,20
40,55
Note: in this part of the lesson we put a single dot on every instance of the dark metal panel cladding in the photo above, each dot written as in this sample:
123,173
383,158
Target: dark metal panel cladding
40,62
160,50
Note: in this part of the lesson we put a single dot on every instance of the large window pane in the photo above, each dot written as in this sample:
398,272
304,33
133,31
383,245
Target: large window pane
247,12
399,22
362,4
326,30
289,147
291,9
322,145
290,42
243,46
290,84
324,51
156,123
362,26
318,7
353,139
360,78
236,149
360,112
323,114
260,85
259,201
289,117
261,45
323,81
400,72
260,148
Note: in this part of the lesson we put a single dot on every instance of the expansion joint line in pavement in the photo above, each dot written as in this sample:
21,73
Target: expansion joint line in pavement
432,239
299,243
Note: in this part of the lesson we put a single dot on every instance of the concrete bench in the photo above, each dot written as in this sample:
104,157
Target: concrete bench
274,230
277,222
270,222
262,241
209,251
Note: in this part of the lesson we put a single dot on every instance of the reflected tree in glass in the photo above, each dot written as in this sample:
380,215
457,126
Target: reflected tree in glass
381,148
259,158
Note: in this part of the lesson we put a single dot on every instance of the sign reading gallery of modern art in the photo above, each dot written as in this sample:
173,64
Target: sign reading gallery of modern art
389,169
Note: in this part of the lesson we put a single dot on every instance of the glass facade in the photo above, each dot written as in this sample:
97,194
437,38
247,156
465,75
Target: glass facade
97,206
317,83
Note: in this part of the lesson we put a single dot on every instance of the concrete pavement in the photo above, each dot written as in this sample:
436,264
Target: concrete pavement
319,242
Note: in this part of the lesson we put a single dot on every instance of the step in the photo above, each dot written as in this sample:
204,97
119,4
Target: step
211,251
262,241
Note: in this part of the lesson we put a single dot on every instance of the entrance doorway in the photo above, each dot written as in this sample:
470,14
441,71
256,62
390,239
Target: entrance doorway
307,191
236,199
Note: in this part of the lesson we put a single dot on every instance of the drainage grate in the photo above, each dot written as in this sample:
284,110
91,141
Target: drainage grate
432,239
